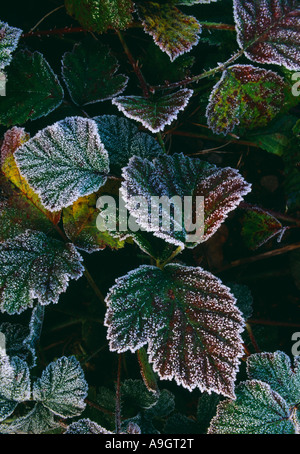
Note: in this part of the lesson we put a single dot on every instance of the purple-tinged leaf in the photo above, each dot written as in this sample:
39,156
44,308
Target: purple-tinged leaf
154,115
269,31
189,320
245,95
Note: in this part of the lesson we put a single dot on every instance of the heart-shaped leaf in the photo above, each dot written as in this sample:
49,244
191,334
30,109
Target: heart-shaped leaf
245,95
64,162
154,115
187,317
269,31
9,38
89,74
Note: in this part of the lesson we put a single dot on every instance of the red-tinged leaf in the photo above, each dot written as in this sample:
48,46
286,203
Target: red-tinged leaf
174,32
189,320
269,31
246,96
154,115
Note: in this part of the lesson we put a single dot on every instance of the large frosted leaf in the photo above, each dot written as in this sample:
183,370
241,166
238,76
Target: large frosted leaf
122,140
181,176
9,38
99,15
62,388
32,89
86,427
174,32
245,95
39,420
257,410
154,115
89,73
35,266
64,161
187,317
269,30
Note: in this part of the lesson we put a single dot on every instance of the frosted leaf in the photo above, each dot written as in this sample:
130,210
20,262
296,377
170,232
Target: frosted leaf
259,226
133,428
15,335
122,140
39,420
135,394
276,370
62,388
86,427
269,31
245,95
32,89
89,74
154,115
174,32
257,410
99,15
64,161
178,175
35,328
9,38
187,317
34,266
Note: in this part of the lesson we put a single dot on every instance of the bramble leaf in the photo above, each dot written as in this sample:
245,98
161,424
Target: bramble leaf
174,32
39,420
9,38
89,74
99,15
269,31
178,311
64,162
154,115
86,427
35,266
245,95
259,226
32,89
181,176
62,388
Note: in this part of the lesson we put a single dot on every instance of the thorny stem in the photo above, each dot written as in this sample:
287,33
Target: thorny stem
217,26
118,397
54,31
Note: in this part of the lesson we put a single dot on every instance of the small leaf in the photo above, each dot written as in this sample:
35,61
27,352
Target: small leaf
9,38
35,328
259,226
154,115
99,15
89,73
62,388
64,162
245,95
135,394
34,266
178,311
257,410
86,427
15,334
269,31
39,420
174,32
32,89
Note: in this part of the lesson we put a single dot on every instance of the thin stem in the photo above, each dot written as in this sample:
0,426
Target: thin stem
218,26
252,338
46,15
54,31
172,256
94,286
118,397
161,141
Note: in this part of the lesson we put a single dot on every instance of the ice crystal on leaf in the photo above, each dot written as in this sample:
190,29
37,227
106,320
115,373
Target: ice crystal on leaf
35,266
32,90
189,320
179,175
89,73
154,115
38,420
174,32
269,31
64,162
86,427
245,95
9,38
62,388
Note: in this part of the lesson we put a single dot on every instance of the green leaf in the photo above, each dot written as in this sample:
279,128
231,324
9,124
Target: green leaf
99,15
64,162
180,176
15,335
259,226
257,410
178,311
246,96
9,38
135,396
32,89
34,266
62,388
269,31
154,115
89,74
174,32
39,420
86,427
